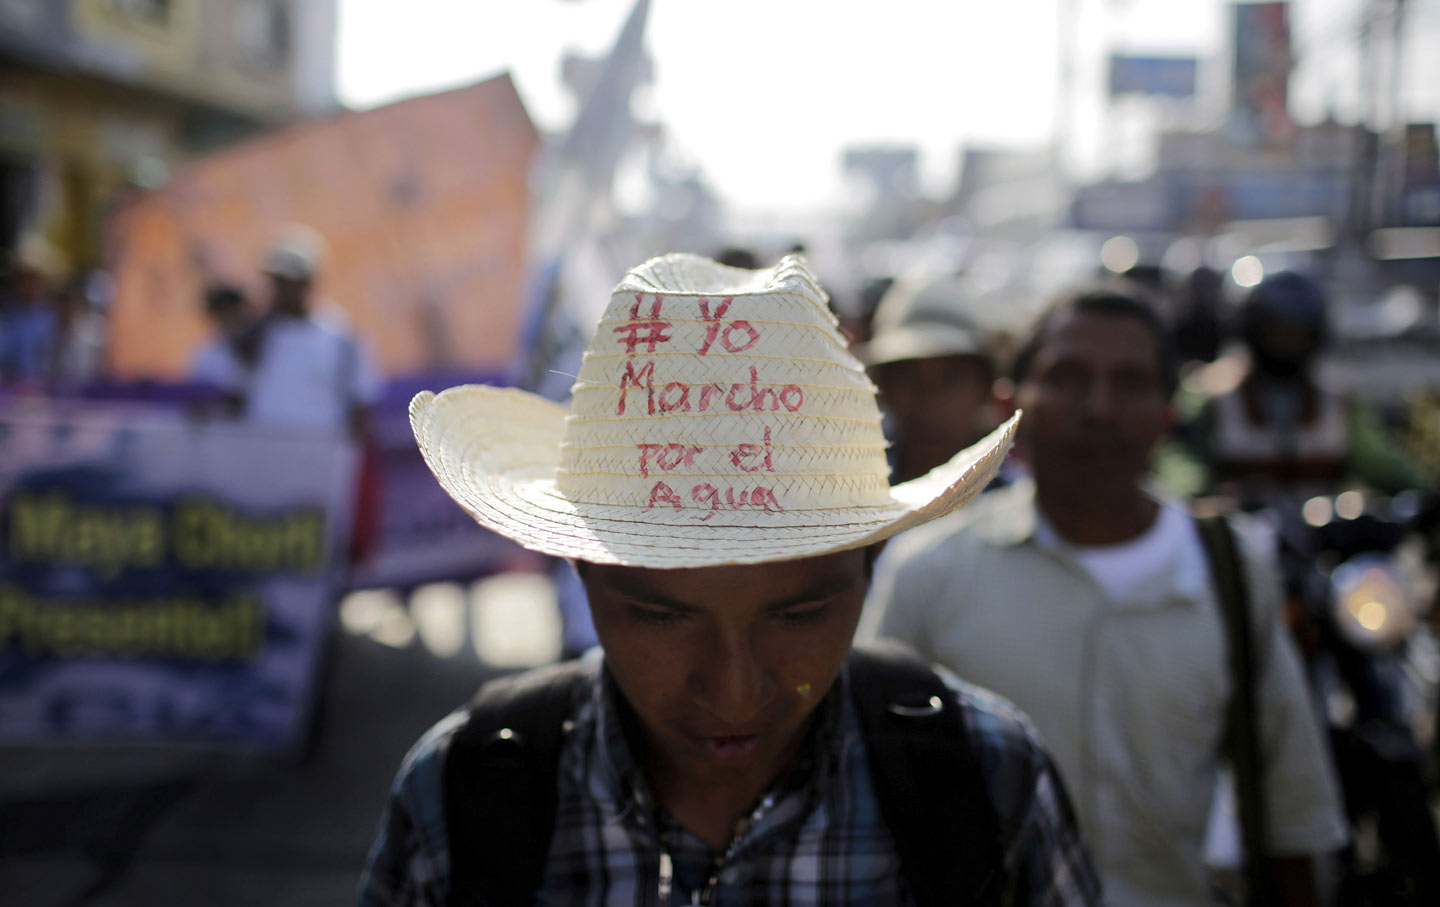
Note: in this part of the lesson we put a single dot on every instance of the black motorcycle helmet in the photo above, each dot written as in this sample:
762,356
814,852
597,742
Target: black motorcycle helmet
1283,322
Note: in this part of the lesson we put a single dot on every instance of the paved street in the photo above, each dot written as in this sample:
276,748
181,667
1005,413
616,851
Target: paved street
138,827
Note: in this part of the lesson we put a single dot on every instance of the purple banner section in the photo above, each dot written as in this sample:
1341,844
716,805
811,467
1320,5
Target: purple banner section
421,535
164,579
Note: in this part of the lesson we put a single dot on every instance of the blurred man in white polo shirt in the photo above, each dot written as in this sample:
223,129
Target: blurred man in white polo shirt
309,372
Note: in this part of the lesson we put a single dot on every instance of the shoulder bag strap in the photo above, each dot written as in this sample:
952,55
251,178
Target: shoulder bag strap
1242,720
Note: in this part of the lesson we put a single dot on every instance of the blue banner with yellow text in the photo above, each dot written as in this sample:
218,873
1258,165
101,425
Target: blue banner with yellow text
164,579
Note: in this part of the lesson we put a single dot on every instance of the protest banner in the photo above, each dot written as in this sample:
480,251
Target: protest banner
422,536
164,580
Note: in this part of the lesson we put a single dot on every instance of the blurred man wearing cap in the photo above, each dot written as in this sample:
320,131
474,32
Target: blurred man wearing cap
935,369
1089,601
719,478
307,373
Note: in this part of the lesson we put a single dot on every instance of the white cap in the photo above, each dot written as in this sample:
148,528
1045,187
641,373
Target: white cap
296,255
922,318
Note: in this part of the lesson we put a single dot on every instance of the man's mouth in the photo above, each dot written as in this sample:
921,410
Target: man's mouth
730,748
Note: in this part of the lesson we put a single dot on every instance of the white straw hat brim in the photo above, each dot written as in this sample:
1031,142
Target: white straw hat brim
496,452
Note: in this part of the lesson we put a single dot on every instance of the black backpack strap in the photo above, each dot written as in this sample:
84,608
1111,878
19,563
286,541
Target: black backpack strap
500,786
927,776
1242,719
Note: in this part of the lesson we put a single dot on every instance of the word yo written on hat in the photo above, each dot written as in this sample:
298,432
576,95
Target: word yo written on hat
648,331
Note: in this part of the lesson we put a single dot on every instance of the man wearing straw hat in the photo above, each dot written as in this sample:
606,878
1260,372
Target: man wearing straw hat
719,481
935,367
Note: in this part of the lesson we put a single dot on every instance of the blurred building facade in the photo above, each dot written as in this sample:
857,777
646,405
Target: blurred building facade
1262,165
890,179
1010,192
100,97
1206,179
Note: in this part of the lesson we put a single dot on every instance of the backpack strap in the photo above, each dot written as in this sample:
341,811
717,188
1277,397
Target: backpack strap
928,779
500,786
1242,719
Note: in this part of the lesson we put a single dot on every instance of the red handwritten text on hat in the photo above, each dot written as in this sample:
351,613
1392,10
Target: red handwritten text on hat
653,328
678,396
708,496
737,336
743,456
667,456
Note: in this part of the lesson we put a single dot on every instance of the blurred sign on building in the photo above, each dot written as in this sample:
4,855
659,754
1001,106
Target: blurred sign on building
889,168
423,206
1010,191
1260,77
1205,179
271,58
164,581
889,178
1168,77
1120,207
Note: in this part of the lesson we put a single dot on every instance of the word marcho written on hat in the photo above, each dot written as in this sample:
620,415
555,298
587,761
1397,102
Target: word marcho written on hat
676,396
650,331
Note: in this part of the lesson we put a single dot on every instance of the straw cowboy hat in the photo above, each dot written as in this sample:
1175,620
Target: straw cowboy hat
717,419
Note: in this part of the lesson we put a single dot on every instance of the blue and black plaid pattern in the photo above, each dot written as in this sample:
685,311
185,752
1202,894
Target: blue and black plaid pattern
823,843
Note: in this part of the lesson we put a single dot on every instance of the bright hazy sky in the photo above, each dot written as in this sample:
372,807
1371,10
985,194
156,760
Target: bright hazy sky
763,94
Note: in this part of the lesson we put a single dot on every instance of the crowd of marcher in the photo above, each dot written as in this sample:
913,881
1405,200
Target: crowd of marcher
722,745
289,363
287,360
1154,736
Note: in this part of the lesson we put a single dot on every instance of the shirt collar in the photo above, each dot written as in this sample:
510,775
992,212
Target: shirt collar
1012,517
1008,517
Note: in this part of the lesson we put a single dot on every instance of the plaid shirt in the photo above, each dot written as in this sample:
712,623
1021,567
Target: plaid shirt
823,841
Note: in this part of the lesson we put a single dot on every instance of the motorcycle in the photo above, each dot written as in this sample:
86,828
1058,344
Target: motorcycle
1360,576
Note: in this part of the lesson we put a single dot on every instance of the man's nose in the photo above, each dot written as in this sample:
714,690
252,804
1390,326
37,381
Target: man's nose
732,681
1100,400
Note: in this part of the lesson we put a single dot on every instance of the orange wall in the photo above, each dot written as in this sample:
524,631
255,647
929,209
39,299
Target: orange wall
424,205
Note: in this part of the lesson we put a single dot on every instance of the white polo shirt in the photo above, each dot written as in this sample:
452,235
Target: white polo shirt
308,376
